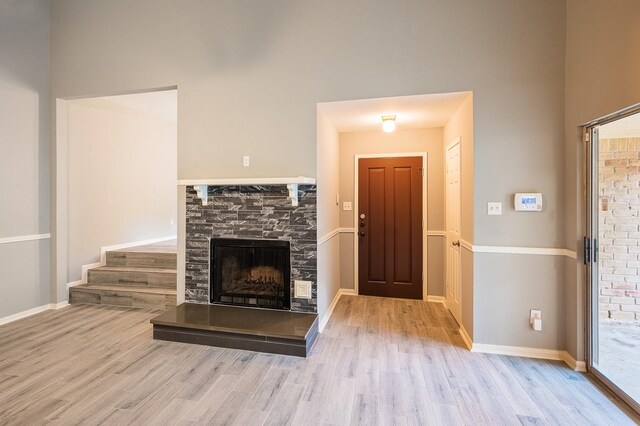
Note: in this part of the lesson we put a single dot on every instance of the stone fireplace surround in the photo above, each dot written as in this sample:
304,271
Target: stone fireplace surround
253,212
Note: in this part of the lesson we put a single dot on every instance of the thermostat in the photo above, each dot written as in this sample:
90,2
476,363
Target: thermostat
528,202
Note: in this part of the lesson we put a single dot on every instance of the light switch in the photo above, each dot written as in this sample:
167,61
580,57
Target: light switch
494,208
346,206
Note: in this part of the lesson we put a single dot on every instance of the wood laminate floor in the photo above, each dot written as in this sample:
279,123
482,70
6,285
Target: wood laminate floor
379,361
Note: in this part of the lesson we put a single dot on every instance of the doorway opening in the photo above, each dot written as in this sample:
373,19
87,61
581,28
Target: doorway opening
350,134
612,252
116,174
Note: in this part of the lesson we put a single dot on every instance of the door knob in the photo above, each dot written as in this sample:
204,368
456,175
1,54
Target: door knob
361,233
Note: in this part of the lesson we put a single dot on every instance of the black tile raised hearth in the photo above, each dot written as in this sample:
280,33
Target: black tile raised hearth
254,329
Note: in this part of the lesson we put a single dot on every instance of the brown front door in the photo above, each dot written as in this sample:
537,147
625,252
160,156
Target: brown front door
389,227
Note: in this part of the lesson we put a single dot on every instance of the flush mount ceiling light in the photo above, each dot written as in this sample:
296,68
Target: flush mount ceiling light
388,123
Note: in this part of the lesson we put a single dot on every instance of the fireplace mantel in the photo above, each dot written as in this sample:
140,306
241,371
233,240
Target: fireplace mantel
202,185
300,180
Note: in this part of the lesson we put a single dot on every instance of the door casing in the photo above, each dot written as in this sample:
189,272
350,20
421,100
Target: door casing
424,212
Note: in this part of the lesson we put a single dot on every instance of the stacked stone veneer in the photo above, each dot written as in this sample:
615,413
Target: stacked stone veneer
255,212
619,254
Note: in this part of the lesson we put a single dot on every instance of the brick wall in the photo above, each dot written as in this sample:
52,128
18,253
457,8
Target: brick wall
619,260
256,212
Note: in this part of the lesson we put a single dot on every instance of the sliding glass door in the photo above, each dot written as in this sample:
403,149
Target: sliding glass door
612,254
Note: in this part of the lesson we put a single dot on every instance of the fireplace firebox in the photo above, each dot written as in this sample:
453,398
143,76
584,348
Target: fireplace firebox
250,272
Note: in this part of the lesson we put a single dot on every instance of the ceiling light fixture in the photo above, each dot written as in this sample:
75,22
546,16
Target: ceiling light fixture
388,123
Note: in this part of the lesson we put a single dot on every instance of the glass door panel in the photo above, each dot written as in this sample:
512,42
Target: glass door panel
614,256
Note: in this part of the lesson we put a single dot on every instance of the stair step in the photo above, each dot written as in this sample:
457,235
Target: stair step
142,259
127,276
116,295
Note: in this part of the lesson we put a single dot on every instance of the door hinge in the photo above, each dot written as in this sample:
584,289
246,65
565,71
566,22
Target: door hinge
587,136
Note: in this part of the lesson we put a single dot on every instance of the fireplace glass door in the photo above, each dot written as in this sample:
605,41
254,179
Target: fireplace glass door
251,273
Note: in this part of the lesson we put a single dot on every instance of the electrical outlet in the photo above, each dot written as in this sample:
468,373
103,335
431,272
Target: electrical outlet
302,289
494,208
346,206
246,161
535,319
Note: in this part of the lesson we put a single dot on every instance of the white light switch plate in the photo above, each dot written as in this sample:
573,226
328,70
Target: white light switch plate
302,289
494,208
346,206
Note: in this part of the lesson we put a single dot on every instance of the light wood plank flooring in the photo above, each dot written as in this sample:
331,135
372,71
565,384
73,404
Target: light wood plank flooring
380,361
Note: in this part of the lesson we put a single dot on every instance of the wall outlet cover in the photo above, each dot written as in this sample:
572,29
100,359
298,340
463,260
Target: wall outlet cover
302,289
494,208
346,206
246,161
535,319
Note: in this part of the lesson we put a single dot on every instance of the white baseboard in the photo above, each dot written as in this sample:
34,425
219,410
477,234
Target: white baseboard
552,354
575,365
33,311
437,299
324,320
466,338
103,256
537,353
60,305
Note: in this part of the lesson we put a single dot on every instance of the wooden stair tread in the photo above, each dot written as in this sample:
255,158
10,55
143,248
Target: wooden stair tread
133,269
125,289
132,284
169,247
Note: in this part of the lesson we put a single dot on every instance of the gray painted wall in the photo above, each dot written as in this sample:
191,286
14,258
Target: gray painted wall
24,153
499,300
602,68
250,78
329,258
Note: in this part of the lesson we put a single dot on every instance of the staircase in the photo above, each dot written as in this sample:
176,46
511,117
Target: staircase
139,277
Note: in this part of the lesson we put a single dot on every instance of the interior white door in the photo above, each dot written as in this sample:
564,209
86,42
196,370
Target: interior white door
453,279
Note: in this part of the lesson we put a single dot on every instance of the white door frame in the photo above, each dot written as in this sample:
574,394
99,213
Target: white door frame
456,141
357,157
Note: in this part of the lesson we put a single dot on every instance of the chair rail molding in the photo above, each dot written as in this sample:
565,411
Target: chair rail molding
20,238
539,251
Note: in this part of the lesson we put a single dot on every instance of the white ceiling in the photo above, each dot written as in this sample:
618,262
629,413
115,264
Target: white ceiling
412,112
624,128
162,104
